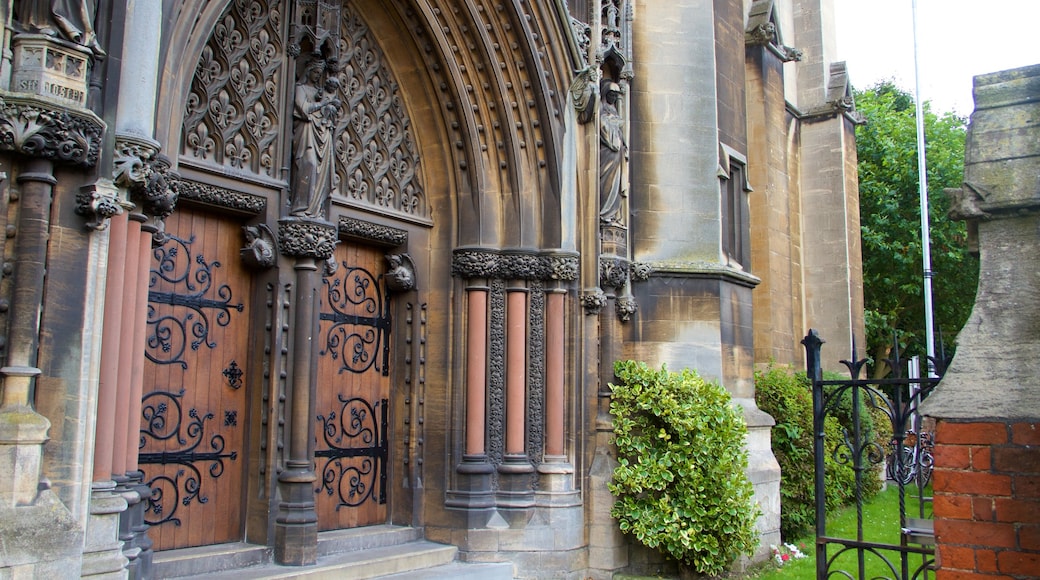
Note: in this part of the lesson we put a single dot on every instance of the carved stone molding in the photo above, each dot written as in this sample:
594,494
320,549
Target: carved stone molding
159,193
261,247
369,231
582,37
306,238
593,301
613,271
40,128
221,197
640,271
401,275
513,265
98,203
132,153
625,307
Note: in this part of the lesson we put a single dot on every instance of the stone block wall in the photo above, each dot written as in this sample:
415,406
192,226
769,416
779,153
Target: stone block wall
987,499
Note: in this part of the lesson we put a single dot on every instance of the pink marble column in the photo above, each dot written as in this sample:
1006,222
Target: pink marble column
128,306
476,370
554,376
140,328
516,370
111,329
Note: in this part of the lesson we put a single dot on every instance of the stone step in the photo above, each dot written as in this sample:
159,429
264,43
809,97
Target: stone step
459,571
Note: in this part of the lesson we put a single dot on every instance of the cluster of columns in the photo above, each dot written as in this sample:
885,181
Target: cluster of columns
515,420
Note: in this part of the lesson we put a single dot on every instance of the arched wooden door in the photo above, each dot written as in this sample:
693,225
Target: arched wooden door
193,426
353,420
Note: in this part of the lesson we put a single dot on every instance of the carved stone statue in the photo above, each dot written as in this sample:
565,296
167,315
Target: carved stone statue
72,20
315,110
613,154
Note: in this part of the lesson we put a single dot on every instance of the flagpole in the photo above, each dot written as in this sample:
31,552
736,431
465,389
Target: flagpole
922,175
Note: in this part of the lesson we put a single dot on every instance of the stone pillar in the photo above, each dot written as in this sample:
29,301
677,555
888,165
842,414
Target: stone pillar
514,472
310,242
987,406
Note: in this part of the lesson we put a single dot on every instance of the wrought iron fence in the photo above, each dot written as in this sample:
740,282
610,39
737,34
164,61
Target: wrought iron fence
905,460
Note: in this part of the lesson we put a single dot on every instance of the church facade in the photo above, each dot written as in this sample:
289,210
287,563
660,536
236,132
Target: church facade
279,269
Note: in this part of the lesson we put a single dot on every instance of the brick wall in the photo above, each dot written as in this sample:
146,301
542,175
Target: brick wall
987,499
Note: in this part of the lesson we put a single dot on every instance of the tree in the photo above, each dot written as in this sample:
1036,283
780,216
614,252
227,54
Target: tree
891,224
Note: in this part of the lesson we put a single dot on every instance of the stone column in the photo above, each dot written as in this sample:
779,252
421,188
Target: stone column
987,406
311,242
514,479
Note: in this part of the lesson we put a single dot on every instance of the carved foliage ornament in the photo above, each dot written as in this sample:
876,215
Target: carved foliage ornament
38,128
306,238
356,228
231,115
219,196
481,263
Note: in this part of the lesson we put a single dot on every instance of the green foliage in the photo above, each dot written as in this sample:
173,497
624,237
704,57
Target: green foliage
681,485
787,396
891,223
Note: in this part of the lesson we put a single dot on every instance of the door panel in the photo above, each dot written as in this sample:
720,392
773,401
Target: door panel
353,391
194,402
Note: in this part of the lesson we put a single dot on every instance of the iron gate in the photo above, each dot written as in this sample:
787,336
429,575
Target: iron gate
907,456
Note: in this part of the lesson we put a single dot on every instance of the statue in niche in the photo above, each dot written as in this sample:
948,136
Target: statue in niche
316,107
613,154
72,20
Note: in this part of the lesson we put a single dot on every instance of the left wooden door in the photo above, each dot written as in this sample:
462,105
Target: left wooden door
193,425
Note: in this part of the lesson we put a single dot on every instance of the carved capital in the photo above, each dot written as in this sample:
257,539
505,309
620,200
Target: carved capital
613,272
401,275
355,228
563,268
593,301
513,265
98,203
640,271
132,157
626,308
40,128
261,247
306,238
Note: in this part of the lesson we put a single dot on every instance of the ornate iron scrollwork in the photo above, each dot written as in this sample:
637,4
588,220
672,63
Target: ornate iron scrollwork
355,469
189,322
360,316
163,419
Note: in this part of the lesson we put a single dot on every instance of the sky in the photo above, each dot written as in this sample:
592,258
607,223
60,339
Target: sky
957,39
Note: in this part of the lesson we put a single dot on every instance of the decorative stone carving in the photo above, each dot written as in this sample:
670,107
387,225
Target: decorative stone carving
98,203
613,154
356,228
613,271
231,116
513,265
585,93
316,110
39,128
640,271
760,33
132,155
306,238
72,20
261,247
582,37
496,372
221,197
593,301
536,374
626,308
58,72
401,275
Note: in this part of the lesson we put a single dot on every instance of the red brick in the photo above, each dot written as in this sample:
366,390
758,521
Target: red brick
949,433
1029,537
952,456
981,458
956,507
983,534
1019,563
982,509
1014,510
1025,433
1016,459
971,482
943,574
1026,486
957,557
986,561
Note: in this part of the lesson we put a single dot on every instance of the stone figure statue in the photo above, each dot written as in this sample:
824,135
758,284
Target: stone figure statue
316,108
613,154
72,20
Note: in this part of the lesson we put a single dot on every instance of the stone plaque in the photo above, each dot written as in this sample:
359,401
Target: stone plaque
44,67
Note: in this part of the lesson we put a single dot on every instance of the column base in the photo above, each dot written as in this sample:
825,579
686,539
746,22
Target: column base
473,489
296,527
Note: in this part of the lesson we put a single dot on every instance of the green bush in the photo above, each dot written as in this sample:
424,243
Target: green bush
681,485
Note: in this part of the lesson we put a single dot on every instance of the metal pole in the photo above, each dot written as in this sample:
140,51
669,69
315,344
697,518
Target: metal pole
922,174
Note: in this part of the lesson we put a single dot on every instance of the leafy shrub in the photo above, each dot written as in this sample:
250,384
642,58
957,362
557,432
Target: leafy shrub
681,485
787,396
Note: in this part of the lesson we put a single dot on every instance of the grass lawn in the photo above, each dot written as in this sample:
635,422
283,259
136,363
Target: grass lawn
880,525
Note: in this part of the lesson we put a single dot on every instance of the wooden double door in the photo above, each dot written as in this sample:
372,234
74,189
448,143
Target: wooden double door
196,399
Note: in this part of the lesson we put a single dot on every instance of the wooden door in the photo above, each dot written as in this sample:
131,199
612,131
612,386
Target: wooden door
353,390
194,403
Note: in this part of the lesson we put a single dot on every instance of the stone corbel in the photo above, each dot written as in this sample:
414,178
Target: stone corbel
301,237
613,272
585,93
146,174
593,301
626,307
261,247
36,127
401,275
98,202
